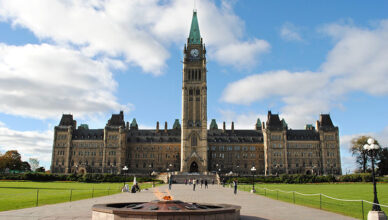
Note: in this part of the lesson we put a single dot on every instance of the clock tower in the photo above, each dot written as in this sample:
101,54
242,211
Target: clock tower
194,103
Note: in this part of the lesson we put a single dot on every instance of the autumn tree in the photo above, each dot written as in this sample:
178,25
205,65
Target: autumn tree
12,160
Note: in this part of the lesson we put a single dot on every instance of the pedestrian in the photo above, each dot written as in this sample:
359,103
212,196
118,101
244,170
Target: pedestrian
206,186
213,182
235,186
201,183
185,181
194,183
169,183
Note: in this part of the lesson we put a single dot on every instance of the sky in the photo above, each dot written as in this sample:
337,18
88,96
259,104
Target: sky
94,58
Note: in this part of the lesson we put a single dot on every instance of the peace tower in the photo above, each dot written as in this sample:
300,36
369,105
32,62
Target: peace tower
194,103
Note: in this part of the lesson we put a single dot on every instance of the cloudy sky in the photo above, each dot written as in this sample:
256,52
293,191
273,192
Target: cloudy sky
94,58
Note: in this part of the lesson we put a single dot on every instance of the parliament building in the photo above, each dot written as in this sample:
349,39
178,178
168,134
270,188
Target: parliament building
190,146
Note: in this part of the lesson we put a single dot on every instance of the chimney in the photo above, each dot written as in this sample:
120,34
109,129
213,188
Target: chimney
232,126
165,126
223,126
157,126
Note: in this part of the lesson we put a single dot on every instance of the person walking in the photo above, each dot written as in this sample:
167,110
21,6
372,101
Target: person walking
169,183
206,186
201,183
235,186
194,183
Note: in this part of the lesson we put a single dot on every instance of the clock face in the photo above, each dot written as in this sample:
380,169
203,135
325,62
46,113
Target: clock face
194,52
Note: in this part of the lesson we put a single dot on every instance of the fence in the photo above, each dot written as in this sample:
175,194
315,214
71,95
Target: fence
354,208
16,198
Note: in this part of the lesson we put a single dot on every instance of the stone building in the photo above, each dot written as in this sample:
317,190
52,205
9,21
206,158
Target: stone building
271,146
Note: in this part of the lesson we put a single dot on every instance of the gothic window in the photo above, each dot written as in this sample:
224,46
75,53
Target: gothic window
194,140
190,92
197,92
199,76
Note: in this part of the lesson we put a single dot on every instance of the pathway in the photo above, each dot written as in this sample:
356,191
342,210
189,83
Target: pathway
253,206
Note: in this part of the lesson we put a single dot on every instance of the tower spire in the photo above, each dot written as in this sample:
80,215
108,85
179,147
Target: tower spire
194,36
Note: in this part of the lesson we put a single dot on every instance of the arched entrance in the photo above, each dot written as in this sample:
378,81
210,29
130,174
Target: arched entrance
308,172
194,167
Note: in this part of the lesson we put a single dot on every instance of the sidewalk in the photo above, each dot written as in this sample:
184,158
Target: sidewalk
253,206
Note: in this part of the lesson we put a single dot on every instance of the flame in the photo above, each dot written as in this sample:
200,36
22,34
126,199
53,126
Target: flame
162,196
167,197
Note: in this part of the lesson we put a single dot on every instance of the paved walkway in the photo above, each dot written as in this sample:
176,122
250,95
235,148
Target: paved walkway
253,206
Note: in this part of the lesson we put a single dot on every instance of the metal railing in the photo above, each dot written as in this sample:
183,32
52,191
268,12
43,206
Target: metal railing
363,205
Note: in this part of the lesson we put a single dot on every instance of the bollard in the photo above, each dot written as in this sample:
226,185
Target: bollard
362,207
37,197
320,200
293,196
71,194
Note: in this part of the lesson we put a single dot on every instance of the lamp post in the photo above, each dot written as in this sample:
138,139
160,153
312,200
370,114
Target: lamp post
125,169
371,148
238,173
253,169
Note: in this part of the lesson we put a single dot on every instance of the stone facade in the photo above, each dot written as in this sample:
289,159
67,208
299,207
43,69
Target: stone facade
271,147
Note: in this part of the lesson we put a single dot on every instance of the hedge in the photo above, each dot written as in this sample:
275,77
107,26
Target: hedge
74,177
301,178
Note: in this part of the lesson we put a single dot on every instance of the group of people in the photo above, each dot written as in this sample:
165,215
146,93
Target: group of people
197,182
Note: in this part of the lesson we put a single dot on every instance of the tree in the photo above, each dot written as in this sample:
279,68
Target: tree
11,159
383,162
34,162
40,169
358,151
25,166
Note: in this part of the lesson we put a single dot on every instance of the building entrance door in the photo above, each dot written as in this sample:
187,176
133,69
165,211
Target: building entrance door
194,167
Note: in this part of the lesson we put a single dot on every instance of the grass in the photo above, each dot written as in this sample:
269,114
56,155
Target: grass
24,194
348,191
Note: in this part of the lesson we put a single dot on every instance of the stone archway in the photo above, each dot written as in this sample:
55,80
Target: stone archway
193,167
82,171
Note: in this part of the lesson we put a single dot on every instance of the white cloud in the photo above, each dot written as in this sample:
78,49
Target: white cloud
241,121
139,30
358,62
241,54
290,32
28,143
41,81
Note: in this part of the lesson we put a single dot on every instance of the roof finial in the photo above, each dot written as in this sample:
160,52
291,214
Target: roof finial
195,6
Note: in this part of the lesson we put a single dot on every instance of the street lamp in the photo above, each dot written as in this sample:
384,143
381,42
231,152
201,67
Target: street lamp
253,169
371,148
125,168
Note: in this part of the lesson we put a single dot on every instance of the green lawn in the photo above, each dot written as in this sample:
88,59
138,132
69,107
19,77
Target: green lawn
17,195
348,191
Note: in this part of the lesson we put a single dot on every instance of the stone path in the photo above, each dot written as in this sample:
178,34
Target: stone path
253,206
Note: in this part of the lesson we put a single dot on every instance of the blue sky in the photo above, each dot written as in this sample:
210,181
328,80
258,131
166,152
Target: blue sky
94,58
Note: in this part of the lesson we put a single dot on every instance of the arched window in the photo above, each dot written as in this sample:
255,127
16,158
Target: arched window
199,76
194,140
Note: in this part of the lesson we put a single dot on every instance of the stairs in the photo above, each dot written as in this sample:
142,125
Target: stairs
181,177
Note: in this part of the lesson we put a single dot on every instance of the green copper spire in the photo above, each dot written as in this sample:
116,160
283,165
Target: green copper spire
213,125
195,36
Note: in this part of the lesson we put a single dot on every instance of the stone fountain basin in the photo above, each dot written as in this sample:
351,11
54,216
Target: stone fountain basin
171,210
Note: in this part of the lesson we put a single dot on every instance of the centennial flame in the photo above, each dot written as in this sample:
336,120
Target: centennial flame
162,196
167,197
